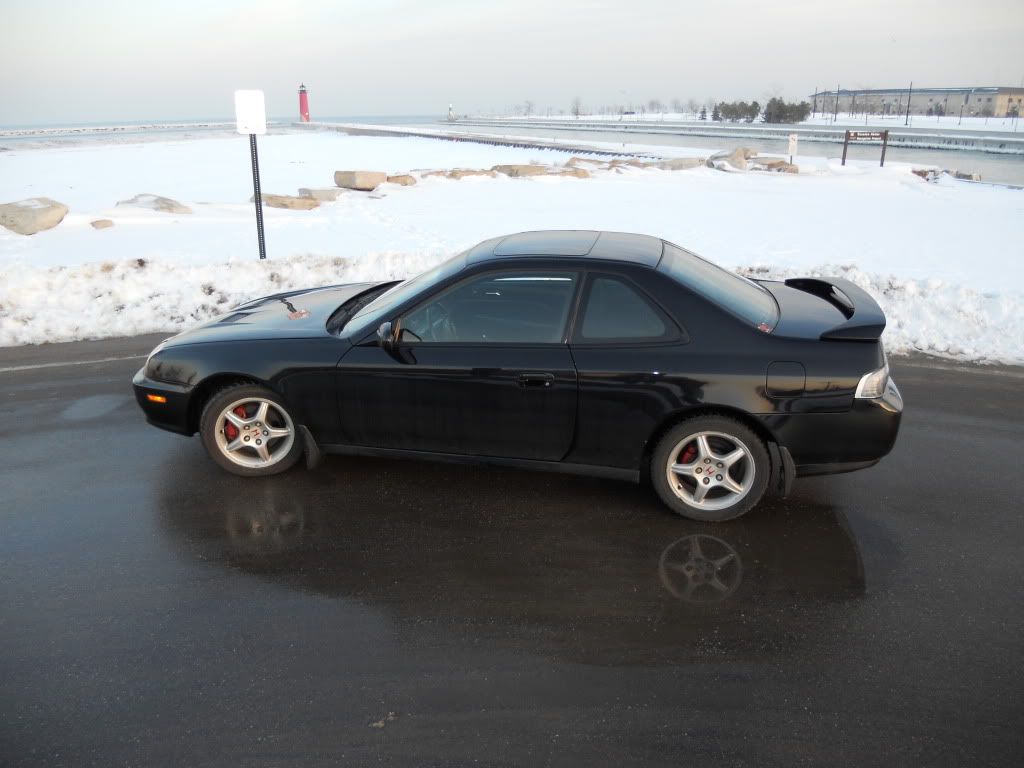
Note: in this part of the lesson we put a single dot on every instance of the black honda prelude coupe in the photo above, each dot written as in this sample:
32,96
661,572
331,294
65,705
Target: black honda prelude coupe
598,353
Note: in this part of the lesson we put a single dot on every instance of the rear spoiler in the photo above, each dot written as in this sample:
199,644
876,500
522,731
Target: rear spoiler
865,320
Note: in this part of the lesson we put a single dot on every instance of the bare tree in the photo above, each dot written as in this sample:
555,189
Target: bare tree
577,107
692,105
677,105
655,105
528,107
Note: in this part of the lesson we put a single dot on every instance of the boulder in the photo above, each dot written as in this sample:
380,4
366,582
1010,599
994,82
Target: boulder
461,173
157,203
967,176
776,164
364,181
323,194
517,171
288,201
402,179
632,163
574,161
677,163
579,173
735,160
26,217
101,223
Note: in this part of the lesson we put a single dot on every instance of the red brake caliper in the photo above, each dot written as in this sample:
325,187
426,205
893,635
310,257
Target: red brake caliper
688,455
230,430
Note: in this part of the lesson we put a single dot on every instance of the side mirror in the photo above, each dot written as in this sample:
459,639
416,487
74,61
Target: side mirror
386,337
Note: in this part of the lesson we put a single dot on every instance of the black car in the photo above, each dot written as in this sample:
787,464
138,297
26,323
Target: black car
589,352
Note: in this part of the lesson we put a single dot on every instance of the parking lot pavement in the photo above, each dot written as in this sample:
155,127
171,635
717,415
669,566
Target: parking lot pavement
157,611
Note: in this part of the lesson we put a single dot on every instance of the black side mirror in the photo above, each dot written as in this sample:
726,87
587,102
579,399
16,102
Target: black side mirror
386,336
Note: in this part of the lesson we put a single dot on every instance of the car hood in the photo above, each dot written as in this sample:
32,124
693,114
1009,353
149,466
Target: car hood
294,314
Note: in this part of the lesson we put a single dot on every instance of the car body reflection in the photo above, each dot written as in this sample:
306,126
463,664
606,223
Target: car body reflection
575,567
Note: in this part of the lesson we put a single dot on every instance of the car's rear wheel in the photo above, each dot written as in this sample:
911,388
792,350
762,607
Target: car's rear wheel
247,430
710,468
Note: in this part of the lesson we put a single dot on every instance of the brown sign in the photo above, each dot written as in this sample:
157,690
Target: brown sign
882,136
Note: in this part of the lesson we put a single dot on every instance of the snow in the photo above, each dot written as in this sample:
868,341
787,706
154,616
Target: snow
941,258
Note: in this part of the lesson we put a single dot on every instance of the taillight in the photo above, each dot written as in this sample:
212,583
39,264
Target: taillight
872,385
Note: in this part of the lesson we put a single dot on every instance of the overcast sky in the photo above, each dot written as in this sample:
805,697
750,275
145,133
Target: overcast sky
66,61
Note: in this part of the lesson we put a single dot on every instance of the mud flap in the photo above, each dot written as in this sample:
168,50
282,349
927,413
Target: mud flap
783,470
312,450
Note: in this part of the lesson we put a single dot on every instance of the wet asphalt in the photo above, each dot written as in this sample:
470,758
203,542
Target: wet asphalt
157,611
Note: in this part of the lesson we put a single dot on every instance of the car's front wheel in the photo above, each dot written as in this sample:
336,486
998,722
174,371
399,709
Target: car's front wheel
247,430
710,468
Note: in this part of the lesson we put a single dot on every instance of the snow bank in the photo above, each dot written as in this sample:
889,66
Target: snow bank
131,297
942,259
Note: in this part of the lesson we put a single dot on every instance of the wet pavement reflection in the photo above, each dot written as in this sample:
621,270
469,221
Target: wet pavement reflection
596,571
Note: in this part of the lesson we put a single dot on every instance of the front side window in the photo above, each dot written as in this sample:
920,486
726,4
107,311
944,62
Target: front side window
617,311
509,307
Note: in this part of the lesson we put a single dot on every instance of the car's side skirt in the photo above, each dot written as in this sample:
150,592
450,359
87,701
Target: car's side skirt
591,470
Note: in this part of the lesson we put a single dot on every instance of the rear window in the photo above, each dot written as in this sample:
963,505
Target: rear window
740,296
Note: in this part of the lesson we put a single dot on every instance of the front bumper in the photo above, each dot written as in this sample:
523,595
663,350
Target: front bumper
172,415
829,443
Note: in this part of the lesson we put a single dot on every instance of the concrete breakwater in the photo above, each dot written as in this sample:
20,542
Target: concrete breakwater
899,136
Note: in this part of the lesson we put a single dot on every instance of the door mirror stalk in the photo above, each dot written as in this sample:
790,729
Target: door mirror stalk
386,337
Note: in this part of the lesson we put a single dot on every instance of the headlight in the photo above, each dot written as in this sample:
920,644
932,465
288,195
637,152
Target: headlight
872,385
156,349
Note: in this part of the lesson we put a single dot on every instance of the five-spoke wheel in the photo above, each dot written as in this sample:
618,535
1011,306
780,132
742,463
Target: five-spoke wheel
710,468
247,430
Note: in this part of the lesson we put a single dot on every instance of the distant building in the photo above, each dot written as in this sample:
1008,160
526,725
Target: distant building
989,101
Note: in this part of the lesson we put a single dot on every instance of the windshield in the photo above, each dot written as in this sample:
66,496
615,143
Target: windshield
384,305
735,293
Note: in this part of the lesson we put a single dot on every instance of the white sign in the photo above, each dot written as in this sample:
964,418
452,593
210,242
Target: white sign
250,112
792,144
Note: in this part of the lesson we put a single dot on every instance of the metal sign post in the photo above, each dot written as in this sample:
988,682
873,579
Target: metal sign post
792,146
251,117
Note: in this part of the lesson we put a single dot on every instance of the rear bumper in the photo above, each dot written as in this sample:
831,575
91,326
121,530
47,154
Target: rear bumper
830,443
171,415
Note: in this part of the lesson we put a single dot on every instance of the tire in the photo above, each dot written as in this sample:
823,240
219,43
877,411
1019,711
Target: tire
247,430
736,457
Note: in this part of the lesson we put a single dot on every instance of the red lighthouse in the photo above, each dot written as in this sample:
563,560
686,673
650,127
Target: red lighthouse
303,104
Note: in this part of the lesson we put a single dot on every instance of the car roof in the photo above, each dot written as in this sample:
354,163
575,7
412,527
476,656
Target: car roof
580,243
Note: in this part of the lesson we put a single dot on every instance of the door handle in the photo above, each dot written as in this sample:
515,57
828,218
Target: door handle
544,380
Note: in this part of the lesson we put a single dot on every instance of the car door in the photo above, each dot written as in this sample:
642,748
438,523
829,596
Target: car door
623,344
480,368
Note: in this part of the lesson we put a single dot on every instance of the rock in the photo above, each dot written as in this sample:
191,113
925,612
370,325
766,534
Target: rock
157,203
461,173
101,223
579,173
574,161
402,179
323,194
364,181
289,202
516,171
26,217
735,160
967,176
776,164
924,173
677,163
632,163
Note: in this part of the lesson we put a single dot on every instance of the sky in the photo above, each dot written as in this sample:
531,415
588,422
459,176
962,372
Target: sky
68,61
